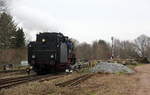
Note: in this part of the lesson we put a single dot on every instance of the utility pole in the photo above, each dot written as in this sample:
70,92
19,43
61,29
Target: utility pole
112,48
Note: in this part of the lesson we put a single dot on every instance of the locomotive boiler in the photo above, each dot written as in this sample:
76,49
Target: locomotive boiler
51,52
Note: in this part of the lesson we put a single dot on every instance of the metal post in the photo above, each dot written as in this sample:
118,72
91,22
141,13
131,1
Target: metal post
112,49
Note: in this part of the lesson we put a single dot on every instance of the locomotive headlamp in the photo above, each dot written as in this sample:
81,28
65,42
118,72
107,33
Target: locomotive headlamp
52,56
71,71
33,56
30,46
43,40
67,70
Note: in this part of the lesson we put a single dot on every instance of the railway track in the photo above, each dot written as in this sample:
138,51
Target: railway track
10,71
6,83
75,81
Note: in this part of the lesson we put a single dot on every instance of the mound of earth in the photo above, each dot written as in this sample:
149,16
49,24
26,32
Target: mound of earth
105,67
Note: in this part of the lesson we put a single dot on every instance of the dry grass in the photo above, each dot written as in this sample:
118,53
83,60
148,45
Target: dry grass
11,75
99,84
14,74
110,85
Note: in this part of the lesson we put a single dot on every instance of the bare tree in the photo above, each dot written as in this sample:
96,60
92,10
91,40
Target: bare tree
142,45
95,50
124,49
117,47
83,51
128,50
101,50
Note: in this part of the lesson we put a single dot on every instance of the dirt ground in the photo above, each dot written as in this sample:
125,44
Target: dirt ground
99,84
143,75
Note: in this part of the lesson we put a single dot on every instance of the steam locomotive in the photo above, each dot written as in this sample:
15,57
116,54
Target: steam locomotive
51,52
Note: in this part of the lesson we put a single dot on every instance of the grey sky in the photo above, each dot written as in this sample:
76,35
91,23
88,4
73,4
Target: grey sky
85,20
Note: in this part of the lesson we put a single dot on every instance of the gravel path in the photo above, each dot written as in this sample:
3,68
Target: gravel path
143,74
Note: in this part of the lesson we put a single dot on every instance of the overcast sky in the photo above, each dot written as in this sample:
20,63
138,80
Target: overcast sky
84,20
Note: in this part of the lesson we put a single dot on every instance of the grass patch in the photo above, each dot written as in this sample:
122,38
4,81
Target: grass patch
133,66
84,70
99,84
120,73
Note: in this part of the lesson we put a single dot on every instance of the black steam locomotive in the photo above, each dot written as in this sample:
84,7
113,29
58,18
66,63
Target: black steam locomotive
51,52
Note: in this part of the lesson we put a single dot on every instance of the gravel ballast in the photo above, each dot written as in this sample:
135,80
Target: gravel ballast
105,67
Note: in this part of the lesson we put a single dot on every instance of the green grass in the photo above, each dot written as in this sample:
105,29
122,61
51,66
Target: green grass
133,66
84,70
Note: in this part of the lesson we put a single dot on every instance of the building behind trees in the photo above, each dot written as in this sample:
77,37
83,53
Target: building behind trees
12,41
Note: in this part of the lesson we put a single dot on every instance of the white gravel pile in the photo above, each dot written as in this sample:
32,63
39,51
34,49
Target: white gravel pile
105,67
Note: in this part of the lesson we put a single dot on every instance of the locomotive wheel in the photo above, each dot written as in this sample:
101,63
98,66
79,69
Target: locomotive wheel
41,72
38,70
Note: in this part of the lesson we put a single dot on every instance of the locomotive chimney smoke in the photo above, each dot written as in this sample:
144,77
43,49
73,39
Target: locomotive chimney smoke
98,19
4,5
32,19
